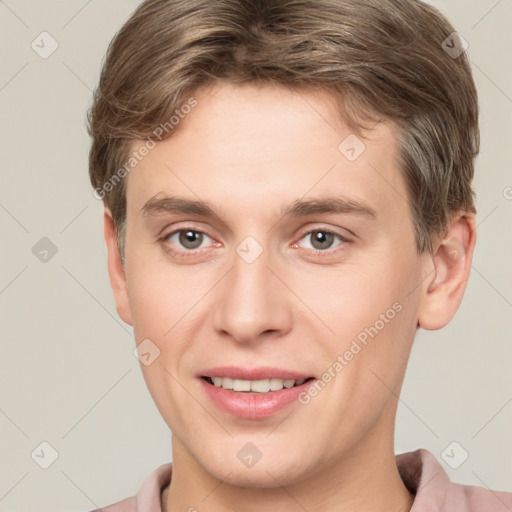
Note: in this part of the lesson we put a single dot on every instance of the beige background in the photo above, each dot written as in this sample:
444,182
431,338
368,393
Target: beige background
68,374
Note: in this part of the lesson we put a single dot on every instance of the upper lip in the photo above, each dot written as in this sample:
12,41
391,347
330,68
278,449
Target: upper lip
263,372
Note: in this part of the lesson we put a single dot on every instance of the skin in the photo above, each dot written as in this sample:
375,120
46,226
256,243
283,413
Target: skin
247,150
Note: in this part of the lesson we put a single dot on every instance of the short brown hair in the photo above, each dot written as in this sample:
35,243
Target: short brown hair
382,60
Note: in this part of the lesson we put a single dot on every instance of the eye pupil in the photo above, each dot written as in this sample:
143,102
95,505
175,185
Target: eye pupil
323,238
190,237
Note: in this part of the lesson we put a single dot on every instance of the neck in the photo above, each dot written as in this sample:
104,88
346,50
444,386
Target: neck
366,478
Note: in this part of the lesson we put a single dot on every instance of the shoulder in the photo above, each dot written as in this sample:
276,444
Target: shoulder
148,499
126,505
425,477
477,499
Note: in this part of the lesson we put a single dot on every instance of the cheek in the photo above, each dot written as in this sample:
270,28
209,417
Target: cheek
352,297
167,309
159,297
371,316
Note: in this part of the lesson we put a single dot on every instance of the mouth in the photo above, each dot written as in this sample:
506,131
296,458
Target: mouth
253,394
260,386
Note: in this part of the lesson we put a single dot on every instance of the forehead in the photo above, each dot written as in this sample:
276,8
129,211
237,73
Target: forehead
245,146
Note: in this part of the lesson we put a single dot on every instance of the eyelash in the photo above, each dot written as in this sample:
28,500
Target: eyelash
193,252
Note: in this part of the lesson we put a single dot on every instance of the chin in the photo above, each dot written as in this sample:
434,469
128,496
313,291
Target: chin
267,474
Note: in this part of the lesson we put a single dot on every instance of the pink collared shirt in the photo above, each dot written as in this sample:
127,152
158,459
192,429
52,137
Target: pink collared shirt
420,471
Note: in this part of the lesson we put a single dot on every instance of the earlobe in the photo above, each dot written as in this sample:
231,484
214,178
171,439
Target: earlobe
115,269
451,259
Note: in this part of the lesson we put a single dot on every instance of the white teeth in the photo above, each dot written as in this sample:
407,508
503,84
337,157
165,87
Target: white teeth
241,385
255,386
260,386
276,384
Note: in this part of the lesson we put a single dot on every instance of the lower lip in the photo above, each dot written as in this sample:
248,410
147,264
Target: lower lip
253,405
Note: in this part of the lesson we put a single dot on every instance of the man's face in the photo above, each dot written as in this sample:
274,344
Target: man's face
253,287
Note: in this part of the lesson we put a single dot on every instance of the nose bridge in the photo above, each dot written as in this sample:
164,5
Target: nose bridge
251,301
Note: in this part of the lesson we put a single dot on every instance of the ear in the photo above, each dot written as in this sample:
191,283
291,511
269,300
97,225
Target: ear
451,259
116,270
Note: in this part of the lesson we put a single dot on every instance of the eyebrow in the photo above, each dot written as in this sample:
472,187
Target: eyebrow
329,205
299,208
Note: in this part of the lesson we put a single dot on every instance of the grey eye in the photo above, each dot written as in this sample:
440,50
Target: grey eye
187,238
321,239
190,239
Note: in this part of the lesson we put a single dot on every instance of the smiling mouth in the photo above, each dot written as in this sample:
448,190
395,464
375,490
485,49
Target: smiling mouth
254,386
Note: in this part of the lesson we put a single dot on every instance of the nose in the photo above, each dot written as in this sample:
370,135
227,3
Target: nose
252,302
